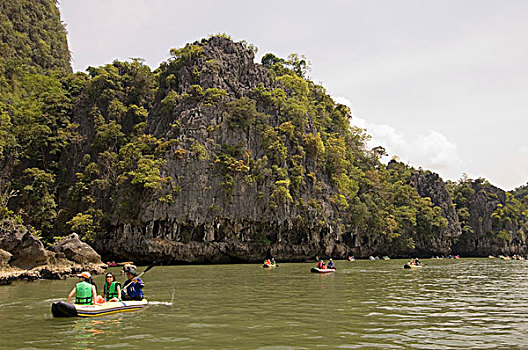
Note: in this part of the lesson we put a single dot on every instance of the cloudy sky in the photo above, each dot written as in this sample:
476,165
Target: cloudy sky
440,84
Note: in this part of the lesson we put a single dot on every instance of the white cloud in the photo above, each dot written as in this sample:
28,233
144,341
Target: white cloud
432,151
523,149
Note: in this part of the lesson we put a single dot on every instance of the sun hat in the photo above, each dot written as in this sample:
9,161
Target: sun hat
84,274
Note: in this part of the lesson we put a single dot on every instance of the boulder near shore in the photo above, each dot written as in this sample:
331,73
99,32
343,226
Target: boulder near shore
24,257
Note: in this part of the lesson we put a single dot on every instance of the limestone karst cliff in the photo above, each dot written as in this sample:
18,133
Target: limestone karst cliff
212,157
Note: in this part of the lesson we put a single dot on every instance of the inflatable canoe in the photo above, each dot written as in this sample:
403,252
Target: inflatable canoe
64,309
316,270
266,266
409,266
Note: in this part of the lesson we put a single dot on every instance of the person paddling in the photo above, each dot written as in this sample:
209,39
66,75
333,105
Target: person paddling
331,264
84,291
111,288
133,287
321,265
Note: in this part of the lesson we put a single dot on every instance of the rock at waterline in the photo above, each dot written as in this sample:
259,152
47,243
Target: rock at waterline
26,249
75,250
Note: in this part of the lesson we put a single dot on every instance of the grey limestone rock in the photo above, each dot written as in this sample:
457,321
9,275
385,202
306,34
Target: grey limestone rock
26,249
4,258
76,250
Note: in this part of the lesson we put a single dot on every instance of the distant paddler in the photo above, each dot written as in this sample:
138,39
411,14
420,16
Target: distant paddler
321,265
270,263
413,264
323,268
331,264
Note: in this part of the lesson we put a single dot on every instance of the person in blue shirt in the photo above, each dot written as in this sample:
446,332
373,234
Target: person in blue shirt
330,264
133,287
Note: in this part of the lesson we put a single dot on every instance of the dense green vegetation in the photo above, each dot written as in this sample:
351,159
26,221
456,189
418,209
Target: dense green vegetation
31,34
80,151
503,220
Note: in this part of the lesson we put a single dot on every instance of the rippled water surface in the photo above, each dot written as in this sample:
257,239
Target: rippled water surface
467,303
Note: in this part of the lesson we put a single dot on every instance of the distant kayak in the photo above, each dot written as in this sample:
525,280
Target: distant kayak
114,264
410,266
64,309
316,270
266,266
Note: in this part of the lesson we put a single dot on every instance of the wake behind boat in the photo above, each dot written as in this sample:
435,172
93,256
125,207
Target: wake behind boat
64,309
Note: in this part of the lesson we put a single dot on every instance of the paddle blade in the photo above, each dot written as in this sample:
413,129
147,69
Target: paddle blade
150,267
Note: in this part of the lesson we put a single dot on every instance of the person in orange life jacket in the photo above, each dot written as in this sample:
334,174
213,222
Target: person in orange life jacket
111,288
330,264
321,265
84,291
267,262
133,287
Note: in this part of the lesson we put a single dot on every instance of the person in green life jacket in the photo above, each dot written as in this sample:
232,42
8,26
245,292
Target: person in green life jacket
84,291
111,288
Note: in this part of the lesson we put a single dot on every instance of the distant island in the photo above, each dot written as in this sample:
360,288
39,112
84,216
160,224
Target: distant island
214,158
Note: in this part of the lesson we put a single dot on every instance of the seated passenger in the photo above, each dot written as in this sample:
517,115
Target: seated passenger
84,291
111,288
133,287
321,265
331,264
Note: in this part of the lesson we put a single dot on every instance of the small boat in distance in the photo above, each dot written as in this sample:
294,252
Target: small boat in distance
409,266
114,264
318,270
271,266
413,264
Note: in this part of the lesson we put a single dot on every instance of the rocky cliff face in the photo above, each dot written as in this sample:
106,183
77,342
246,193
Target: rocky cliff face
233,157
493,223
221,211
430,185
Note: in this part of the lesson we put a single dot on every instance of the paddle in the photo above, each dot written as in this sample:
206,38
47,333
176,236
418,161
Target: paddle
141,274
147,269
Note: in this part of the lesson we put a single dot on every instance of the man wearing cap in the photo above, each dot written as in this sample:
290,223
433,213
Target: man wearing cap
133,287
330,264
84,291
